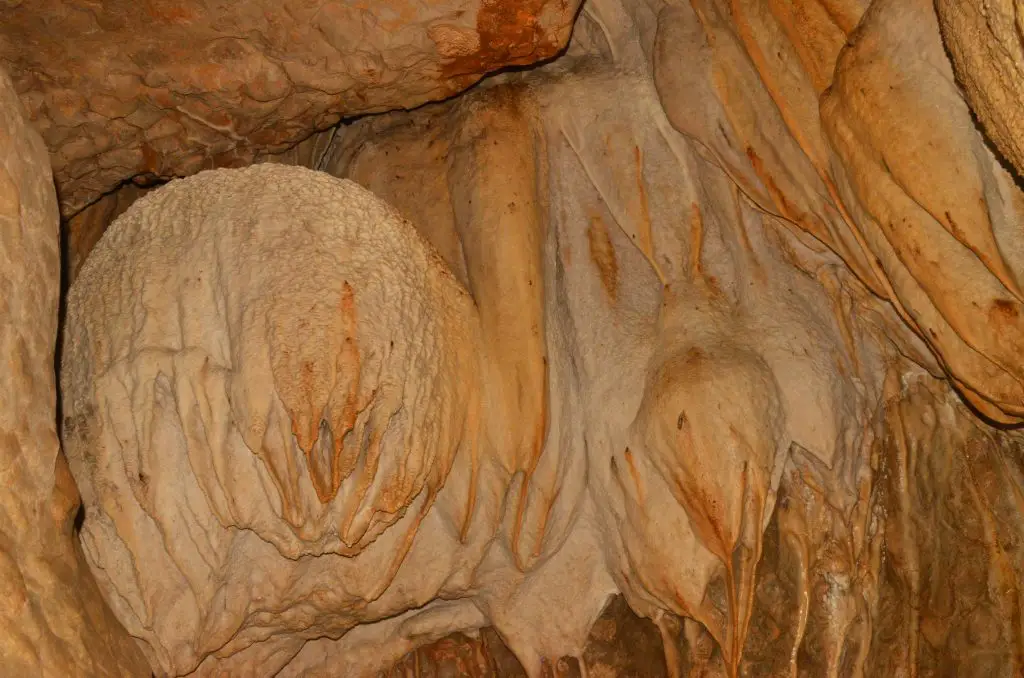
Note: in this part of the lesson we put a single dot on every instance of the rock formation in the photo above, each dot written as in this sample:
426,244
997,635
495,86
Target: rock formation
703,336
986,49
266,412
52,618
165,88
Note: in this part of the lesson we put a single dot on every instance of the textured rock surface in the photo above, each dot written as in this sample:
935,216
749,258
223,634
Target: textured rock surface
641,382
986,46
921,575
726,260
291,405
53,621
83,231
618,174
620,645
169,87
887,171
836,147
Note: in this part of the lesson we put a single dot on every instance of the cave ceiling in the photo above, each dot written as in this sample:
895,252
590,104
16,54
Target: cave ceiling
164,88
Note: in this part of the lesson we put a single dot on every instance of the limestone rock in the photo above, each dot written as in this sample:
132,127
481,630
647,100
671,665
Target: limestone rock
986,49
620,645
707,285
169,87
582,483
292,401
875,156
939,216
52,619
84,230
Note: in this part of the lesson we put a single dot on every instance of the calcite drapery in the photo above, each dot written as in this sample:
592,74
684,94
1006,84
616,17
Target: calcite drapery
588,479
879,162
612,259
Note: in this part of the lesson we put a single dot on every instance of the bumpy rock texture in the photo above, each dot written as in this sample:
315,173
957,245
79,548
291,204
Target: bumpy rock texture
168,87
695,299
53,621
683,320
986,46
342,348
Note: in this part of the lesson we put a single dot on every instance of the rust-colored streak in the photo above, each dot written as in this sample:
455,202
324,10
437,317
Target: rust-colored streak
753,49
645,230
778,197
602,253
815,36
640,494
1004,312
540,433
348,365
327,482
473,443
511,34
875,278
954,228
696,241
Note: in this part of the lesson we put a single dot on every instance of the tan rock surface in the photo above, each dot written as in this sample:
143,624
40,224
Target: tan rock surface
83,231
604,324
296,411
169,87
985,44
53,621
886,170
721,265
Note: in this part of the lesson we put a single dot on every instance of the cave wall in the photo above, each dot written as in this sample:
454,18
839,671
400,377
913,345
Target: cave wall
53,620
801,183
984,43
855,132
852,547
